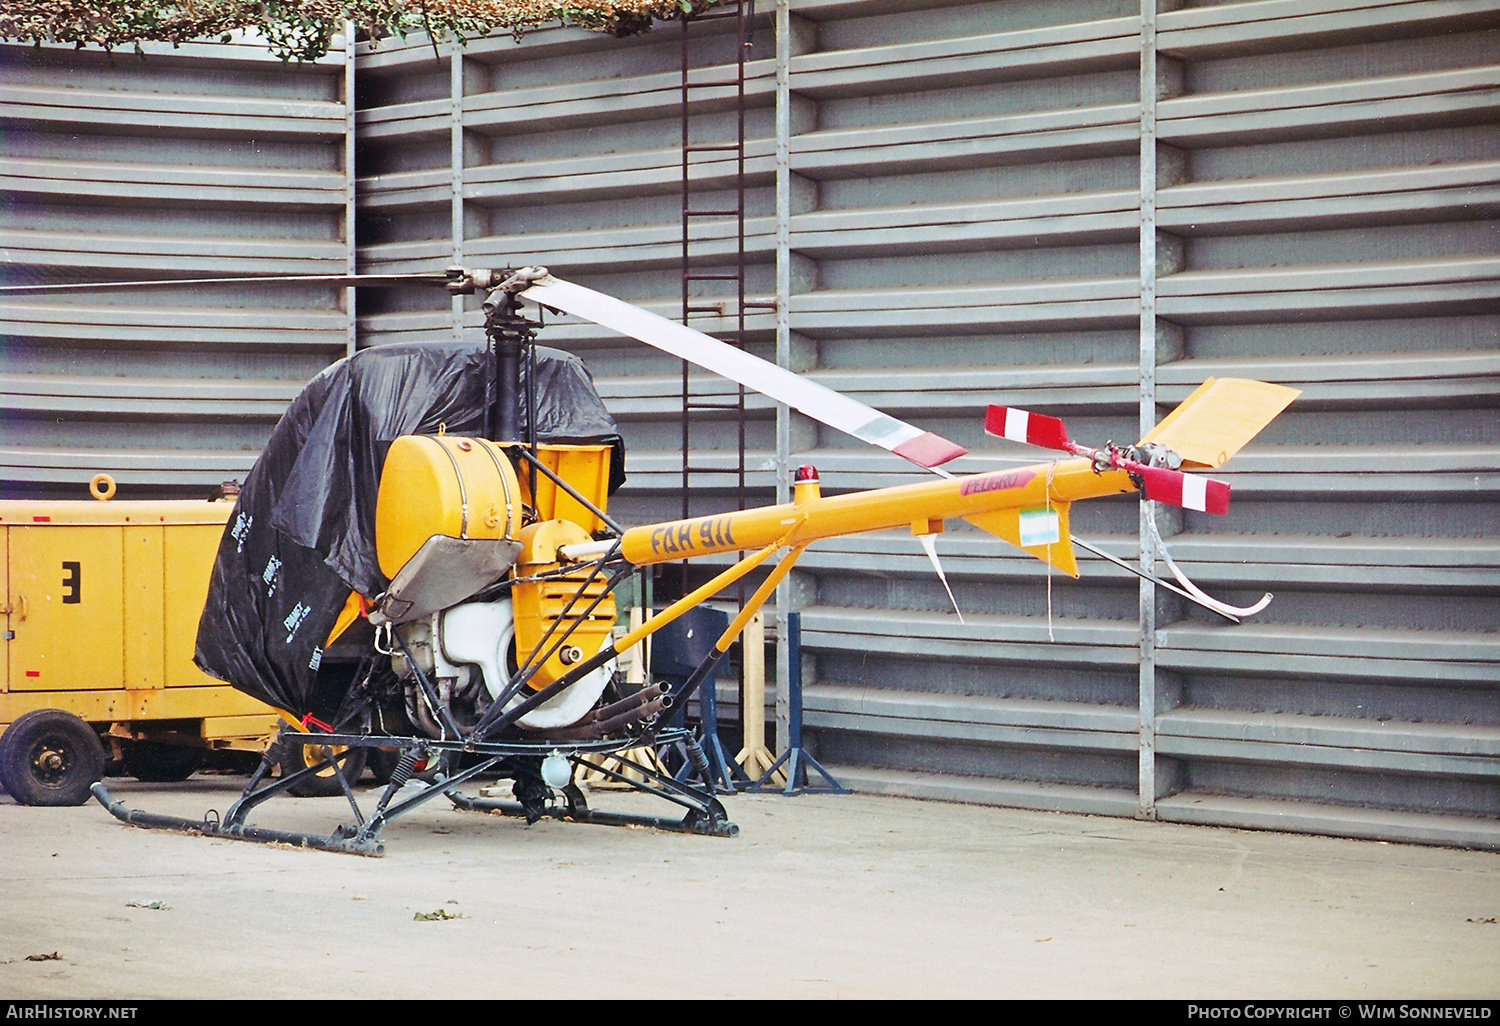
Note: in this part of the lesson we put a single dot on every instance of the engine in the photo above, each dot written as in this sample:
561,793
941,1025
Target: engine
477,591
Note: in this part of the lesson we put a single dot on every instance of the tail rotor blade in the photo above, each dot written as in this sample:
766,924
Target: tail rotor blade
1024,426
1159,484
816,401
1175,488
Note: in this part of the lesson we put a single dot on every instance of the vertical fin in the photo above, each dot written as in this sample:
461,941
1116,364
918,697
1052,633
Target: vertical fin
1219,417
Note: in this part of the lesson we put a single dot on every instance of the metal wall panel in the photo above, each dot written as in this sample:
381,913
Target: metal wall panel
1347,247
196,161
971,217
565,150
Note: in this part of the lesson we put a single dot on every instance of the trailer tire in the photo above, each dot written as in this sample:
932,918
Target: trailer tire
156,763
50,757
295,757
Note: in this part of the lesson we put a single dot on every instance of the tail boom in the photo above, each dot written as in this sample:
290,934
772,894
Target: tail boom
1008,495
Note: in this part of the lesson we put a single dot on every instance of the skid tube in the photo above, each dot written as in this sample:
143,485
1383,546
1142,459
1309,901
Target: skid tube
705,815
211,826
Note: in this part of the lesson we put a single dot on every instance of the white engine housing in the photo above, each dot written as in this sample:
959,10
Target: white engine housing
480,634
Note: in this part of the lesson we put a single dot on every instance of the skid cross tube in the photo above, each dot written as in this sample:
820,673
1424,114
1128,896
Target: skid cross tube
705,814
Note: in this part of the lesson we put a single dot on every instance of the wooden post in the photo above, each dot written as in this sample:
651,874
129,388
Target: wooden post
755,757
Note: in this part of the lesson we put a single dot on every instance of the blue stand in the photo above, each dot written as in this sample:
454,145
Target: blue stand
796,761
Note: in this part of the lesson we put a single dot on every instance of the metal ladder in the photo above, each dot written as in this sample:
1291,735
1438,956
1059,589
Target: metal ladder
699,34
695,43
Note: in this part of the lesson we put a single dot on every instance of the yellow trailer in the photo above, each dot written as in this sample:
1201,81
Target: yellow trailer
101,603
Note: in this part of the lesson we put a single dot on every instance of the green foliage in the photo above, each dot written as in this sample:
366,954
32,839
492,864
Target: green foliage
303,30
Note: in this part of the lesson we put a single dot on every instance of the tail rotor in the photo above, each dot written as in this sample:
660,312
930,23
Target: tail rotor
1151,466
1214,423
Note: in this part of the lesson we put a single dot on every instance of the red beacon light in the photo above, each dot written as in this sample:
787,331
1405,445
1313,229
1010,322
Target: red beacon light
805,484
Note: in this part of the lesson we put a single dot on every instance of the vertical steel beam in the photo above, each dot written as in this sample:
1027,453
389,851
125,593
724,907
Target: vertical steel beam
456,166
351,340
783,30
1147,749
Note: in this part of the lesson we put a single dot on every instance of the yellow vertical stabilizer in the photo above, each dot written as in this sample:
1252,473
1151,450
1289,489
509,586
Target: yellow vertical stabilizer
1218,419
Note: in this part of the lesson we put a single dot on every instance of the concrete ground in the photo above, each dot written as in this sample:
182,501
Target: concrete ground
819,896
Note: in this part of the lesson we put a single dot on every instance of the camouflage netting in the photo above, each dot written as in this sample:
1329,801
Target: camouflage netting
302,30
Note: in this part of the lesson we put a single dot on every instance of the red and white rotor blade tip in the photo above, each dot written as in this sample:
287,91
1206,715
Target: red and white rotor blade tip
1175,488
1024,426
816,401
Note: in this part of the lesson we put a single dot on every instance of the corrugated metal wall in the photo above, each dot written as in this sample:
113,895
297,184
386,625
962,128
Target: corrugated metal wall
204,160
1324,196
565,151
965,197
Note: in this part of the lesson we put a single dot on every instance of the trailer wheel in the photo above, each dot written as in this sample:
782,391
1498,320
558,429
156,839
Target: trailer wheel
325,784
50,757
158,763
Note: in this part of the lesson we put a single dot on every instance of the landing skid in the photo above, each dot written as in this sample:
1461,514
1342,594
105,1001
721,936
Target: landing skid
704,813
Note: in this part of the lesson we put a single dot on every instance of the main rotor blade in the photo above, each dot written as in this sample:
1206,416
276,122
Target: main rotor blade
816,401
294,279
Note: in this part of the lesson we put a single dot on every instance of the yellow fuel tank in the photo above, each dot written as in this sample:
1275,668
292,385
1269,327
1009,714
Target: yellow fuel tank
443,486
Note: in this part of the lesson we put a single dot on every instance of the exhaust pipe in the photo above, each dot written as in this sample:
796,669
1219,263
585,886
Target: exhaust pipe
647,702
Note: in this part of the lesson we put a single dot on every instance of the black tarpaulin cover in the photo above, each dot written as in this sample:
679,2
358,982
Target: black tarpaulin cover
302,535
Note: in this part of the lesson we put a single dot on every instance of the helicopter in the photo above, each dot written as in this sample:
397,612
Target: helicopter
440,511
